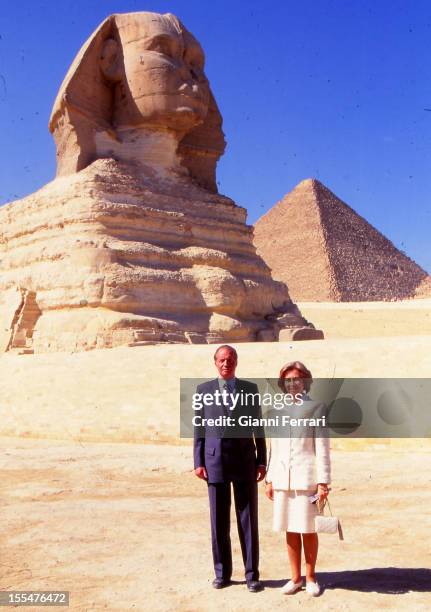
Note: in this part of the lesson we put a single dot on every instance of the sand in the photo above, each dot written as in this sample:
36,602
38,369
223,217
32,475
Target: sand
98,496
132,394
125,527
359,319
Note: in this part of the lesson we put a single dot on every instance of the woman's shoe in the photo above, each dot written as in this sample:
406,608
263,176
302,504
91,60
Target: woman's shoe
312,588
291,587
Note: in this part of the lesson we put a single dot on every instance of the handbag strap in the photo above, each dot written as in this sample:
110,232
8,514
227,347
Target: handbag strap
321,508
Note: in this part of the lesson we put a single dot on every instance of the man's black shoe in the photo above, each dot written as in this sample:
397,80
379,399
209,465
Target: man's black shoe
221,583
254,586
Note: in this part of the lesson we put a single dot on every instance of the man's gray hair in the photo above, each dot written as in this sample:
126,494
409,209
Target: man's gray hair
226,346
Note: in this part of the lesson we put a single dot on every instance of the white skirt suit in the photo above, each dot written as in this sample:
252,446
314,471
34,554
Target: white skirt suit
296,465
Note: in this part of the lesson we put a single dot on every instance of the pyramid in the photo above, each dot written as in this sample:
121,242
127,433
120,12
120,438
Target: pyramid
324,251
424,289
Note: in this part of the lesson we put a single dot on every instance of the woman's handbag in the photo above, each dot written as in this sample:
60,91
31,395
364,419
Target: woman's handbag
327,524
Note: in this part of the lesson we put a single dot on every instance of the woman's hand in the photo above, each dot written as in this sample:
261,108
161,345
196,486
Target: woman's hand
323,491
269,491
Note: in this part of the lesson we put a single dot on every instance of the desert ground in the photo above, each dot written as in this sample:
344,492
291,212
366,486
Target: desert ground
99,498
126,527
365,319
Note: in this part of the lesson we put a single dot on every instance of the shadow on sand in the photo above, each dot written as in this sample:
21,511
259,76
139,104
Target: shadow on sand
391,580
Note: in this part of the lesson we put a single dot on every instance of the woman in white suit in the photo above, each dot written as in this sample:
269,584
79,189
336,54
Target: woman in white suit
299,467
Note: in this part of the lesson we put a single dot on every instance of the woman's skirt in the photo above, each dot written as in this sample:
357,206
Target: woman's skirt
293,511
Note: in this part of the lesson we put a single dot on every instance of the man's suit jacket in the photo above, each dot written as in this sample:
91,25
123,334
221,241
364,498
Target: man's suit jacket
234,458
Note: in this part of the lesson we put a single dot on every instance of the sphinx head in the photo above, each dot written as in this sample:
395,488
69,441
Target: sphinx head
156,69
138,73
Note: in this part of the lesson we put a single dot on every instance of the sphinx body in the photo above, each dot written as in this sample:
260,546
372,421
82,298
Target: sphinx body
131,243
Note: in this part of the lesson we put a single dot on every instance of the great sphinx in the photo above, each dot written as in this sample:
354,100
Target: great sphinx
131,243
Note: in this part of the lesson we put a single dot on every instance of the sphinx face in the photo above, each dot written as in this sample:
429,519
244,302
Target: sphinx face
136,90
162,82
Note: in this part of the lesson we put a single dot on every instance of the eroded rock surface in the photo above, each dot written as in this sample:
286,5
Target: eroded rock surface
131,243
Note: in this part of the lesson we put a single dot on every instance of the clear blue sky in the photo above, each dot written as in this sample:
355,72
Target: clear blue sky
336,90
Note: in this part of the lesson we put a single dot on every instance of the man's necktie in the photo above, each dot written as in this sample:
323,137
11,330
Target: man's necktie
227,403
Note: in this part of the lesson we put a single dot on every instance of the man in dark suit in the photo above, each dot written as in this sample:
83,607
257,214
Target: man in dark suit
240,460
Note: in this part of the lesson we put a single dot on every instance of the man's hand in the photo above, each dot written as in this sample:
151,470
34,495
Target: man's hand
260,472
269,491
201,473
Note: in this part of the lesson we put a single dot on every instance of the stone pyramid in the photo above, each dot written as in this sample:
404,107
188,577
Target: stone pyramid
324,251
424,289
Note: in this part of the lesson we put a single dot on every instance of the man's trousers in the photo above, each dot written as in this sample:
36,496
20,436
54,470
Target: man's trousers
245,497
